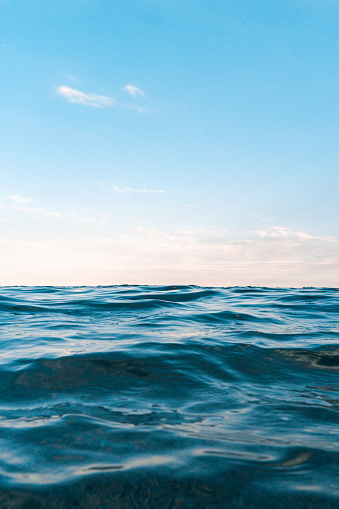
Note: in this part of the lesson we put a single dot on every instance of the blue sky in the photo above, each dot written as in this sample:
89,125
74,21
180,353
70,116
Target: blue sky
169,142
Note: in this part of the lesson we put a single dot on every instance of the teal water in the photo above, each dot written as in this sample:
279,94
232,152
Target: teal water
169,397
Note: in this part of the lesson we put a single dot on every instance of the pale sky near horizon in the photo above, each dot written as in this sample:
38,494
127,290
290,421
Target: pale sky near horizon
169,142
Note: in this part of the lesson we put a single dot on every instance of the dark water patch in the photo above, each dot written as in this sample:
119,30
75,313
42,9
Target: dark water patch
224,317
320,358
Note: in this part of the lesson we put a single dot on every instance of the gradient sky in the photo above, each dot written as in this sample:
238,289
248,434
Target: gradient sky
169,142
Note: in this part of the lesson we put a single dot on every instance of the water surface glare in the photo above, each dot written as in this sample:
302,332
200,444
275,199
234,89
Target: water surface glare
169,397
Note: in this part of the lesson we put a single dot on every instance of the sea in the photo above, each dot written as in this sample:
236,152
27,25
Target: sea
169,397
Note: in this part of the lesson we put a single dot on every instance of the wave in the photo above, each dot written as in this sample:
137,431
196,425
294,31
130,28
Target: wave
174,396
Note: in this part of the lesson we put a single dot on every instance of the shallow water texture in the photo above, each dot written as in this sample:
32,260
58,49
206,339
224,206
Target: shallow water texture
169,397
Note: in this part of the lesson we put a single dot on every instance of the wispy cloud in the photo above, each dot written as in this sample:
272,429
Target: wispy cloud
286,234
127,189
39,211
133,91
134,107
105,186
19,200
75,96
23,204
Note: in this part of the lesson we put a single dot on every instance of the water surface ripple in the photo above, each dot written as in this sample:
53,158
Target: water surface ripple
169,397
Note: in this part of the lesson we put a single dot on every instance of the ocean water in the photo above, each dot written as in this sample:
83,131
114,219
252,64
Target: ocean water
169,397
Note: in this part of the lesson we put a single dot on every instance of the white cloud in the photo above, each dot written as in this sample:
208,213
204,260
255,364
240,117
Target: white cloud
75,96
133,91
39,211
127,189
118,189
17,199
282,233
134,107
23,204
103,186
